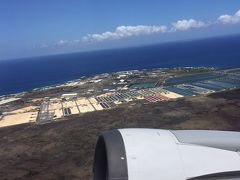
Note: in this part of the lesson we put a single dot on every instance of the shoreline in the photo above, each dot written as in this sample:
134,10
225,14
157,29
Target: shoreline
61,82
112,90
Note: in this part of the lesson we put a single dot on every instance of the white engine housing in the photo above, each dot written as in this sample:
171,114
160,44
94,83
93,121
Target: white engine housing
154,154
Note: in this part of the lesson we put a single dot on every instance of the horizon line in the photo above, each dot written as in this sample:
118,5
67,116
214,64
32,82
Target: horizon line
121,48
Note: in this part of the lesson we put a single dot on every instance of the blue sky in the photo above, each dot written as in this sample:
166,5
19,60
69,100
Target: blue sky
36,28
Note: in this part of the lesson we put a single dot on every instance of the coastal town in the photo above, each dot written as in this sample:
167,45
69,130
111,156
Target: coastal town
112,90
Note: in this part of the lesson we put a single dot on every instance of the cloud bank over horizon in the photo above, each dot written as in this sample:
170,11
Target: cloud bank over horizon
129,31
230,19
183,25
123,31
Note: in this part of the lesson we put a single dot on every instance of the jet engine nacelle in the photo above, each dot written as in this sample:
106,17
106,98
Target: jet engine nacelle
153,154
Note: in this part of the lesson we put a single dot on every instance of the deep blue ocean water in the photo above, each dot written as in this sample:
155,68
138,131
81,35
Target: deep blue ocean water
25,74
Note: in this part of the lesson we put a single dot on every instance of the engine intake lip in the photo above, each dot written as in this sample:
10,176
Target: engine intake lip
110,160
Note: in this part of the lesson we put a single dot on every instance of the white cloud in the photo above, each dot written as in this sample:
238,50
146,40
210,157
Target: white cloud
43,46
62,42
125,31
129,31
230,19
184,24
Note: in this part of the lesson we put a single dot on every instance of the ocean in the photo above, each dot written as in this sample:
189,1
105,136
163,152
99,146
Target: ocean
25,74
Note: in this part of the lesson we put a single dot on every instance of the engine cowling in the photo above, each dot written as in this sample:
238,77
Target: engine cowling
154,154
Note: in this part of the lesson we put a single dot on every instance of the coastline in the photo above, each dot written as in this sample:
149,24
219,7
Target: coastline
26,74
62,82
113,90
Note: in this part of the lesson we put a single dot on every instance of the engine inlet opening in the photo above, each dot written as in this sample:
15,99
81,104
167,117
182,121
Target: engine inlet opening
100,165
